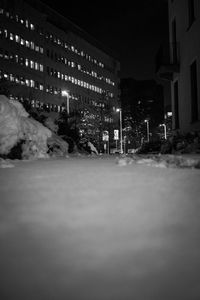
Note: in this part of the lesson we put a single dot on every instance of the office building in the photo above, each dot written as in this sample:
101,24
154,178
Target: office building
51,63
179,62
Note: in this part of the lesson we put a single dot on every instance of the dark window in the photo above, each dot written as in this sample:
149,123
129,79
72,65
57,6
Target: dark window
194,92
176,105
191,15
174,42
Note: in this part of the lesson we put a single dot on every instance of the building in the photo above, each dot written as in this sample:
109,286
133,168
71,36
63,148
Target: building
51,63
141,100
179,62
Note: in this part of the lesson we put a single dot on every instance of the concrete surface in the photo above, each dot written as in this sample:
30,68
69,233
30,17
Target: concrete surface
88,229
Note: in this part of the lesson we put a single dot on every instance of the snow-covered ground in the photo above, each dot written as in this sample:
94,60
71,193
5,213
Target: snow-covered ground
91,229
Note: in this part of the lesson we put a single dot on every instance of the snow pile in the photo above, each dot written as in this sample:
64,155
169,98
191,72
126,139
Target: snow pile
35,136
161,161
57,146
5,164
10,125
17,127
49,122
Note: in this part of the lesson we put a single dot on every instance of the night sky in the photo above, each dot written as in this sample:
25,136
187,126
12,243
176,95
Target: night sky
132,33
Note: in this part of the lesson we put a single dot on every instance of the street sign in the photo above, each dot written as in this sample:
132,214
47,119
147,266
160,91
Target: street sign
116,134
105,135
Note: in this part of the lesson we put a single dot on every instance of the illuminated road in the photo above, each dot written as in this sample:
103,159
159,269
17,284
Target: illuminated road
88,229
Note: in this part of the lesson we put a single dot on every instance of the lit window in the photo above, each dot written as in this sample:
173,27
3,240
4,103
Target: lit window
27,24
5,33
22,42
27,43
11,36
12,77
32,83
21,21
16,58
6,56
1,11
41,68
37,48
32,45
41,50
41,87
27,82
32,64
17,38
32,27
22,80
36,66
26,62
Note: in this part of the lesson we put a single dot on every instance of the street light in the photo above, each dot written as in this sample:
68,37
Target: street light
165,130
120,120
147,121
65,93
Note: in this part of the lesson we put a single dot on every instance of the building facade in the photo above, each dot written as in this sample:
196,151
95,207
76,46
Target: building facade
51,63
179,62
142,100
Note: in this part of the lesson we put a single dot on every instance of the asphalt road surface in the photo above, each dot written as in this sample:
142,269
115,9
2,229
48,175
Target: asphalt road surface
89,229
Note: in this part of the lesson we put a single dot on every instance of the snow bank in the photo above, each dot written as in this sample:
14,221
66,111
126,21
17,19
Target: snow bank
16,126
10,124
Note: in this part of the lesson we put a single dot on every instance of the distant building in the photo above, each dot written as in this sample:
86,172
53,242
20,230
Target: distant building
141,100
51,63
179,62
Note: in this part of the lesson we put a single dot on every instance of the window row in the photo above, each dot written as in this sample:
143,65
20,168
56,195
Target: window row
62,59
49,107
60,42
23,61
17,18
81,83
21,80
4,33
49,89
51,37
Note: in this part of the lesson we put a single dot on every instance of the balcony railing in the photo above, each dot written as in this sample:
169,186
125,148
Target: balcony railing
168,60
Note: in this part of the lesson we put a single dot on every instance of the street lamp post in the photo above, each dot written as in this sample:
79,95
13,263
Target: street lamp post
120,121
147,122
65,93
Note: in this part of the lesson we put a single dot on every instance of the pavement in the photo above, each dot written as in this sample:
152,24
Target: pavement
89,228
